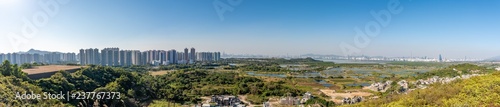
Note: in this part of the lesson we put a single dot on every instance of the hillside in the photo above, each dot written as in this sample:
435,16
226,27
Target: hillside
476,91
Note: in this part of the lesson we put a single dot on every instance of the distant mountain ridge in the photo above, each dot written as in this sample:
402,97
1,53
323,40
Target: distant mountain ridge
34,51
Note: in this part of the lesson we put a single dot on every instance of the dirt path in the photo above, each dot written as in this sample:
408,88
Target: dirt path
243,99
206,99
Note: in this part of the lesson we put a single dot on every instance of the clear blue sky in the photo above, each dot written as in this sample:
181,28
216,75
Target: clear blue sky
454,28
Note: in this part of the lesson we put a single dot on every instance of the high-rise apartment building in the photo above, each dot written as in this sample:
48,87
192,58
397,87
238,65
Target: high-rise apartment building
65,57
153,56
127,57
144,58
2,57
208,56
114,57
15,58
192,56
39,58
123,56
172,56
136,57
216,56
83,57
9,57
163,57
87,56
186,55
96,57
440,58
49,58
110,57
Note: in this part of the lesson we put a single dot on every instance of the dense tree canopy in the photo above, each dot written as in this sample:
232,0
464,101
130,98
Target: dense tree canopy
180,87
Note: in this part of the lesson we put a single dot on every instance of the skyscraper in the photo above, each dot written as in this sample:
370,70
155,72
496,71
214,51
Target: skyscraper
440,58
127,57
87,56
193,55
96,56
216,56
38,58
116,56
208,56
153,56
8,56
22,58
144,57
2,57
186,55
163,57
122,58
110,57
136,57
172,56
104,57
15,58
83,57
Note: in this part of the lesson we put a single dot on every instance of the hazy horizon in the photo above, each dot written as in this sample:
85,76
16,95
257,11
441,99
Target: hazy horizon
454,29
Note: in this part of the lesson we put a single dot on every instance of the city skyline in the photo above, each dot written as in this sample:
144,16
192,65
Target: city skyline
192,52
112,56
454,29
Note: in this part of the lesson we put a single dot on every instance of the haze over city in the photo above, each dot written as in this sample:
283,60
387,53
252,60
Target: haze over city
454,29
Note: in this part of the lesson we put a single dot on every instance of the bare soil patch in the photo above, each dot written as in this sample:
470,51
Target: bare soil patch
334,95
49,68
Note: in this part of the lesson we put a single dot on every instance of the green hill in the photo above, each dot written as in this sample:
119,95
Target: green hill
476,91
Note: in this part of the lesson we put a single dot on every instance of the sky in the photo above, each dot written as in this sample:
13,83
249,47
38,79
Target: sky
453,28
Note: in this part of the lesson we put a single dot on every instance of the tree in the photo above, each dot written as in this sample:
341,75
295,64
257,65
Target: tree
57,82
12,70
6,68
26,66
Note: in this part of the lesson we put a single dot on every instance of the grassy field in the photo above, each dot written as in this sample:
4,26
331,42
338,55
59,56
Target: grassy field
162,72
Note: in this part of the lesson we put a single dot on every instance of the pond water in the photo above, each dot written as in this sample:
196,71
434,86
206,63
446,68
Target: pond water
303,75
368,72
309,75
